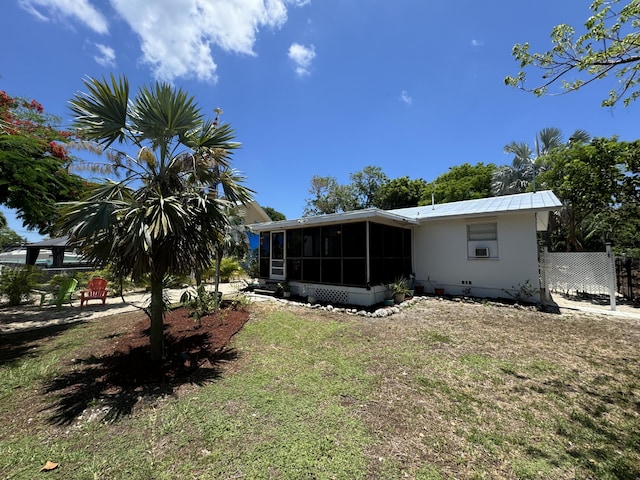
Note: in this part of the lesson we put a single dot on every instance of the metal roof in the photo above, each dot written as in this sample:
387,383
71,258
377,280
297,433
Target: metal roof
344,217
50,242
532,201
537,201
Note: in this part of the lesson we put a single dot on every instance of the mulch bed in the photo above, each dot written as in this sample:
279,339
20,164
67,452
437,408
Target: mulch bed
188,347
114,374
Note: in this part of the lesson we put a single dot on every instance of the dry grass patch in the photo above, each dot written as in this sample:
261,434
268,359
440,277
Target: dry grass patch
471,391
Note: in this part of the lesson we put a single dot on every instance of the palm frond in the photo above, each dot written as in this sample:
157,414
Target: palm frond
580,136
163,114
101,113
548,139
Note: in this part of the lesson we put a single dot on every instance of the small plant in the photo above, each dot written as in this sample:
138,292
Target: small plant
18,283
523,292
283,289
201,302
241,302
399,286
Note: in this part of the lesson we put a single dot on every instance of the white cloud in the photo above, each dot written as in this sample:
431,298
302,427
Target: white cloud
302,57
477,43
81,10
177,36
406,98
106,56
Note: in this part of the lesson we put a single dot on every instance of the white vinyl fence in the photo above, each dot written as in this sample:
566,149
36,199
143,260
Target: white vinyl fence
580,273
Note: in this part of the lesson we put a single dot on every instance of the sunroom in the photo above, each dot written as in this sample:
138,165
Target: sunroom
345,258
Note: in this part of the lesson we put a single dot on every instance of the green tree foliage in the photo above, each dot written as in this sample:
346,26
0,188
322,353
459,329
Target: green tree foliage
324,197
34,163
9,238
401,192
598,182
520,175
365,186
368,188
167,216
274,215
609,45
328,196
462,182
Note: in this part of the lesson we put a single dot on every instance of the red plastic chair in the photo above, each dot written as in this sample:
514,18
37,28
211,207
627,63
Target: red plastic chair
96,290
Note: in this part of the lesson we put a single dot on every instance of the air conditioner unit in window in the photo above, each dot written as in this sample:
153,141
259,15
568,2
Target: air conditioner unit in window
482,252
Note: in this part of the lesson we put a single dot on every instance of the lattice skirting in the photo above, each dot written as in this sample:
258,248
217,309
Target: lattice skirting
330,295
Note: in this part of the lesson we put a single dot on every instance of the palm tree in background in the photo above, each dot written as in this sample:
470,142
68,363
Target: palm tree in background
166,212
528,162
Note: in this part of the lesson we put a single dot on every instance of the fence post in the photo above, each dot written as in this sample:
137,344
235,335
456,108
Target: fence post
543,274
611,267
629,273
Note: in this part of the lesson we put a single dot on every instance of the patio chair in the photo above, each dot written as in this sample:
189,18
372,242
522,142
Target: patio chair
67,287
96,290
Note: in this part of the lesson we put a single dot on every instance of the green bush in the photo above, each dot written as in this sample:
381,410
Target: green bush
229,268
18,283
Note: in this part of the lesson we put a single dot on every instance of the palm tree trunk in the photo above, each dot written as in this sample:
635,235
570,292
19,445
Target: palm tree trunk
157,319
216,288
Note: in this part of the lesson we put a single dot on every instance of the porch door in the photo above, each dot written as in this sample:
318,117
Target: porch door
277,271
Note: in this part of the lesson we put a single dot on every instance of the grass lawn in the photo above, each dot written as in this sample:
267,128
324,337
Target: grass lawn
441,390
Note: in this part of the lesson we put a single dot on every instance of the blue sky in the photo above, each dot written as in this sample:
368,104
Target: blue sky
316,87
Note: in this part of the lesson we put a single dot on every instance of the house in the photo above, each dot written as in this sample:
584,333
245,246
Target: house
484,248
251,213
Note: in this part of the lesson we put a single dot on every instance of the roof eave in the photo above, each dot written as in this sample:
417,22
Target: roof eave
333,218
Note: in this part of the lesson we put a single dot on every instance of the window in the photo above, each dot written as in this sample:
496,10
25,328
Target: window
390,252
294,243
311,242
482,240
482,231
265,253
337,254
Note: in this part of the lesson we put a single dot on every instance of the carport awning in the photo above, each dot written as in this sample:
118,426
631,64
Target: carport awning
57,246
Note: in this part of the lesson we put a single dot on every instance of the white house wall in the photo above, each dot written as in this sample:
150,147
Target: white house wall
441,257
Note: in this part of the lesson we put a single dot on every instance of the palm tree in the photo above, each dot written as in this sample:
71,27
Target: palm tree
527,163
165,215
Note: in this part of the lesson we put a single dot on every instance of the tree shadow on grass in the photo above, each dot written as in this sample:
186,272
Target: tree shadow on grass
601,427
106,386
15,346
116,383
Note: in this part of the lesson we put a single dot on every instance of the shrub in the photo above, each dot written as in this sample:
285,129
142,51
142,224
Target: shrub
18,283
229,267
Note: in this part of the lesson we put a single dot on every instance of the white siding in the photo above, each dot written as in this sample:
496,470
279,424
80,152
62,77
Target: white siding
441,257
